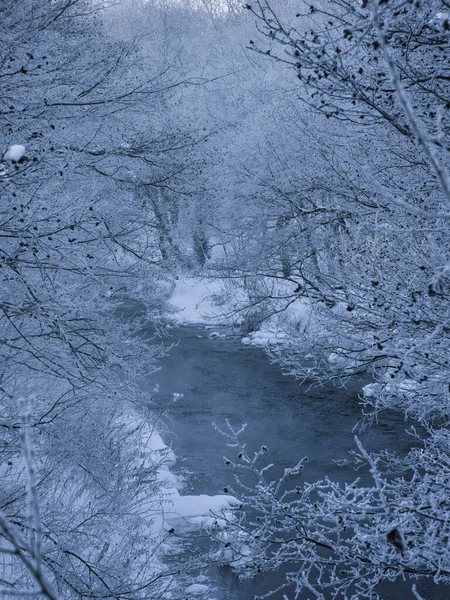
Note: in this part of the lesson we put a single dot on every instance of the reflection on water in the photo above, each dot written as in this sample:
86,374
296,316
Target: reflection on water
222,379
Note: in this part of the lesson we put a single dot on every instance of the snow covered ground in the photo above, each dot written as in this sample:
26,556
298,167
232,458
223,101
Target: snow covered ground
202,302
195,302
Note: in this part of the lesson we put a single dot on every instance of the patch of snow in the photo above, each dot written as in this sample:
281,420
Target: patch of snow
202,505
334,359
192,300
165,454
405,387
238,557
264,337
215,335
197,589
292,317
167,478
14,153
208,522
371,390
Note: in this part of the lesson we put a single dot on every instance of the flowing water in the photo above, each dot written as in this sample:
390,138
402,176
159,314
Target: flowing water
221,379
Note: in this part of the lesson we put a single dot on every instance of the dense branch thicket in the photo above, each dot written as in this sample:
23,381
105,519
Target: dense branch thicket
77,513
349,215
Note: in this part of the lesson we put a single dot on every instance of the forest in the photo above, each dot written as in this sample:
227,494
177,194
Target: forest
295,156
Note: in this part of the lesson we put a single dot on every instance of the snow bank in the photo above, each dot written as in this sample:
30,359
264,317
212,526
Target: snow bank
201,506
279,328
193,301
165,455
196,589
157,458
403,386
264,337
198,302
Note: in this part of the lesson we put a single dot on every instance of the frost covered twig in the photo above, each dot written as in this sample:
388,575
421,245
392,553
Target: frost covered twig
27,556
28,551
336,537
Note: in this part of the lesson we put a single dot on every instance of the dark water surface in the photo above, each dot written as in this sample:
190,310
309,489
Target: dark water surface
223,379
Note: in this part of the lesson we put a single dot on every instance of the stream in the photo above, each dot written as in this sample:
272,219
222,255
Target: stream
219,379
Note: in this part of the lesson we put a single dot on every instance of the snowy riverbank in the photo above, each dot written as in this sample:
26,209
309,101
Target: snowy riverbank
197,301
172,510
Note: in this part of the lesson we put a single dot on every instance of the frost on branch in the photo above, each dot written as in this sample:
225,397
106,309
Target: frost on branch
389,522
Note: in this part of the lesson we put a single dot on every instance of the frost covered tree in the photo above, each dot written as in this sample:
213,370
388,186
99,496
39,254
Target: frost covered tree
383,252
79,496
162,165
364,229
